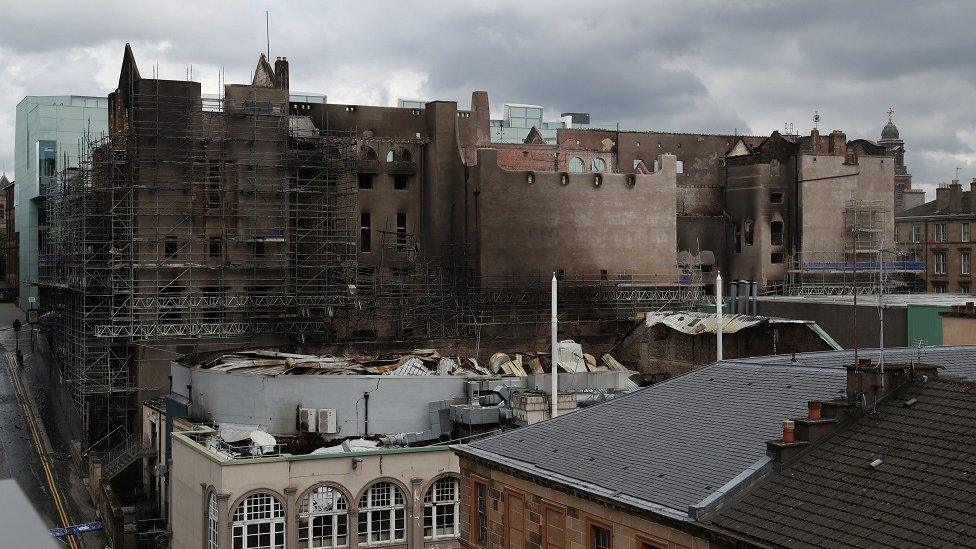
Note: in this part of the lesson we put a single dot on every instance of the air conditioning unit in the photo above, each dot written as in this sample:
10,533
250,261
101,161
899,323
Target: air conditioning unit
307,419
327,421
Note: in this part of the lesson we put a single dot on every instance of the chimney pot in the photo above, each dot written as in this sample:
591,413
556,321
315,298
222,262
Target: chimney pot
788,427
813,410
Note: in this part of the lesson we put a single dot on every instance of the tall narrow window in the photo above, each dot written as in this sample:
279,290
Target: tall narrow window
441,507
679,166
939,263
259,523
216,248
747,232
323,519
776,233
941,234
401,229
364,232
382,515
213,184
170,246
213,525
599,537
964,263
964,232
479,512
916,233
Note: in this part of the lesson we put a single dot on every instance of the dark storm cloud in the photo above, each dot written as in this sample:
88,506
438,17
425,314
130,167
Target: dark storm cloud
746,66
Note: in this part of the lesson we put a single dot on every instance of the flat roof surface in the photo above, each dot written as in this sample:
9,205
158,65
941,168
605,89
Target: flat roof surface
669,446
942,300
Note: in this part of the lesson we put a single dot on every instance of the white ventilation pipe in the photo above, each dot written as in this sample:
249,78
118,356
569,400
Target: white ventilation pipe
718,316
555,353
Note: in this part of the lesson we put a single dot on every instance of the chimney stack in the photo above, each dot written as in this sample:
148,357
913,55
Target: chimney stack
788,427
838,143
281,73
813,410
972,196
942,197
955,196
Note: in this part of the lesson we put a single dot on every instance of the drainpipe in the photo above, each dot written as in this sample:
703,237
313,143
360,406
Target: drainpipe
366,414
718,317
555,351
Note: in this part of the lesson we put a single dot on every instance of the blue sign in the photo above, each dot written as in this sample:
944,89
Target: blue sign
76,529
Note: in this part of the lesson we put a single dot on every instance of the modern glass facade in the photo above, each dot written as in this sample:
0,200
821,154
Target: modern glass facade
49,132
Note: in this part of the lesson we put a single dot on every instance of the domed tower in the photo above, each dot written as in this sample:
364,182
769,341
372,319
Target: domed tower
896,146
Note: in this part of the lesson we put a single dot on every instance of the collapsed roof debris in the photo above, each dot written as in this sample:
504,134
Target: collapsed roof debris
417,362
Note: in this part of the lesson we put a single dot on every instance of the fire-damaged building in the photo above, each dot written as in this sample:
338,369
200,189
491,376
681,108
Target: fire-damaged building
263,217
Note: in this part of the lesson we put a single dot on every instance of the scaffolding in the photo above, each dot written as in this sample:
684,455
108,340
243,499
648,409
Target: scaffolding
867,264
200,219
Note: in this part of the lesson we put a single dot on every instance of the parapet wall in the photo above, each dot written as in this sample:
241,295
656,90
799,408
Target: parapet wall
532,222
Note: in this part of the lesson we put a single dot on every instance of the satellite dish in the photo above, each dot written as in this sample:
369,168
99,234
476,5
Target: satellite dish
263,443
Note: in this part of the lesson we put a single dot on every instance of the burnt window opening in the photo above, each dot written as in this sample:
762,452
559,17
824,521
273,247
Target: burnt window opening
401,182
365,237
776,197
737,238
365,180
776,257
706,268
258,248
604,275
213,185
216,247
368,153
776,233
169,307
747,231
170,246
401,229
560,274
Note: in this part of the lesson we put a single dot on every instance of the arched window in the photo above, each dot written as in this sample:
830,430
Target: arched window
389,156
323,519
441,507
599,164
399,154
382,515
259,523
367,152
213,524
576,165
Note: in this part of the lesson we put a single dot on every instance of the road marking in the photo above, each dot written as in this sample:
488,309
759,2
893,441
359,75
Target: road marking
39,446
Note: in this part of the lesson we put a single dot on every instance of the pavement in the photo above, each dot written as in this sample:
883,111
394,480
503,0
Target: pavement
19,458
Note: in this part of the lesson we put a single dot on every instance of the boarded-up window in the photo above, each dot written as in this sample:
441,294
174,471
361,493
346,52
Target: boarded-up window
553,527
514,521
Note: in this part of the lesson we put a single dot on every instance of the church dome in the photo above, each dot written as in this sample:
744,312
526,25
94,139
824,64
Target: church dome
889,132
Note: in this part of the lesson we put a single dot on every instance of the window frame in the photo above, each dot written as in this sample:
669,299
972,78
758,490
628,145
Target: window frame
964,263
276,521
334,516
213,521
591,524
476,513
393,508
939,260
965,235
916,234
430,505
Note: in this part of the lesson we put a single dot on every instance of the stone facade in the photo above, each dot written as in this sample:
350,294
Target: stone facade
940,234
522,513
198,472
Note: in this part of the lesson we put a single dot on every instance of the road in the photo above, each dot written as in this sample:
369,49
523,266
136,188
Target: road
26,455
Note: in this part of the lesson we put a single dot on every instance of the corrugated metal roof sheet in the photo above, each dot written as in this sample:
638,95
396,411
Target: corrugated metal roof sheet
694,322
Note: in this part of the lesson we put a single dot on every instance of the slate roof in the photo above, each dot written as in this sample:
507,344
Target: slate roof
922,495
929,208
956,360
669,446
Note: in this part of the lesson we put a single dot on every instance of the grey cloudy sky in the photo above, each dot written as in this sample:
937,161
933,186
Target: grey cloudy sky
683,66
